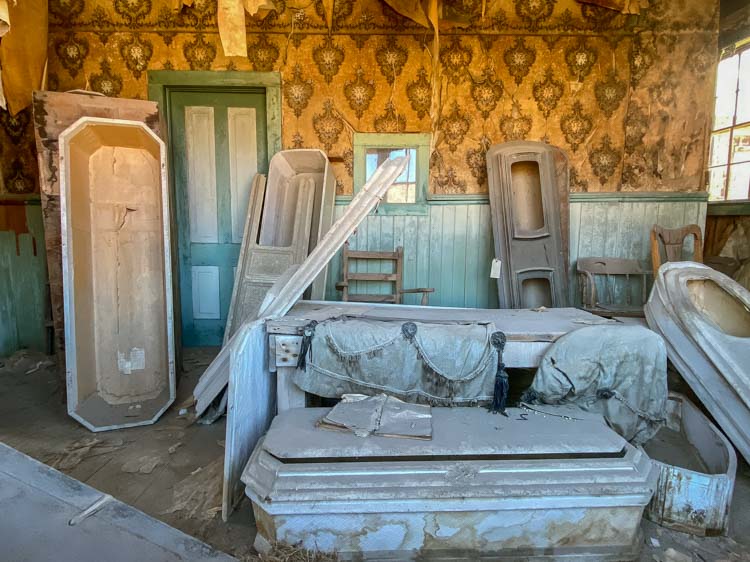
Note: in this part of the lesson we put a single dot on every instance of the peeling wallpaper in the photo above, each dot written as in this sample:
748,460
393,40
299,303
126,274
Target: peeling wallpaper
627,97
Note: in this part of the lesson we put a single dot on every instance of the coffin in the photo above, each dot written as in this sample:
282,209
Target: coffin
119,344
704,317
528,187
697,469
286,217
488,486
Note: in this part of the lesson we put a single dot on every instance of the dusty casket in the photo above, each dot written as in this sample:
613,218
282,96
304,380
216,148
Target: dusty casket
529,484
117,285
697,469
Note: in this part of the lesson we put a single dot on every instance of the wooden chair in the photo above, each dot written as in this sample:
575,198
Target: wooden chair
395,278
673,240
618,279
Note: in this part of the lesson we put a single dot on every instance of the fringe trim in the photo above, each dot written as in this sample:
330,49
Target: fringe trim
426,396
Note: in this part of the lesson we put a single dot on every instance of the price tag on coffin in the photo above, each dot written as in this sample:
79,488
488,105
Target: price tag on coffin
495,268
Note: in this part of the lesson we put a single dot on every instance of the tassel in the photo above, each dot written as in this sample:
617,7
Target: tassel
306,347
500,394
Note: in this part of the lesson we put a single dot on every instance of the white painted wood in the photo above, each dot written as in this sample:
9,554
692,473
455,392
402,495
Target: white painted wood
252,393
288,394
470,489
251,405
370,195
50,516
286,217
212,381
206,292
117,283
261,265
712,361
201,169
243,164
693,501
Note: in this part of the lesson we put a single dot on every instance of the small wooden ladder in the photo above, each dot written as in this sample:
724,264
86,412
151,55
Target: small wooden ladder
396,278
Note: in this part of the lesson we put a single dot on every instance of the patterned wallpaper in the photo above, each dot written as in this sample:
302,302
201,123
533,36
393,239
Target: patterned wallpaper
627,97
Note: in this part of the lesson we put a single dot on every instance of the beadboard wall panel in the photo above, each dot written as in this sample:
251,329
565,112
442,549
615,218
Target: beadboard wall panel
450,248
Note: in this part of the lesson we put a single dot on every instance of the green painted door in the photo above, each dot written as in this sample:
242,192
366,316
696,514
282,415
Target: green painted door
218,143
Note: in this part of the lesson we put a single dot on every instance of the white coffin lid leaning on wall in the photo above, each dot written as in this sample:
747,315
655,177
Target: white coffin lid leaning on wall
117,280
704,317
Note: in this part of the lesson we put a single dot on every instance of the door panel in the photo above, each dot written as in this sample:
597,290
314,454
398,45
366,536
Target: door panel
218,145
206,303
201,174
243,164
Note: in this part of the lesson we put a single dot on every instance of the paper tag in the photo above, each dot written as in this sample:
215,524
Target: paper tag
495,268
136,361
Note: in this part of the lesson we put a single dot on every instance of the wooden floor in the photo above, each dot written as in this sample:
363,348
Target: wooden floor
171,470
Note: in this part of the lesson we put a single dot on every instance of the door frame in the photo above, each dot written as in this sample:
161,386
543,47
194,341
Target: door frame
160,84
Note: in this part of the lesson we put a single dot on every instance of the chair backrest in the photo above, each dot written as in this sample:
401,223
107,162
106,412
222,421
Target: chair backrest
617,273
673,240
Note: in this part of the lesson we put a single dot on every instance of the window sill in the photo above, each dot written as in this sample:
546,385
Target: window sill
739,207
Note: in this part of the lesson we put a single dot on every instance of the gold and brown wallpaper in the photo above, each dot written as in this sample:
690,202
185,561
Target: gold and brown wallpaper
628,97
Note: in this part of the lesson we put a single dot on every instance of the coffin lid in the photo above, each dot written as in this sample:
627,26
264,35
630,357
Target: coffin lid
458,433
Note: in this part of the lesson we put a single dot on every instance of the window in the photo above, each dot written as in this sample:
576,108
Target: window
408,193
729,161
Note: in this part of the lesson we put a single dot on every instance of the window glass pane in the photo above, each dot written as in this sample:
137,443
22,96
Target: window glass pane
739,181
719,149
741,145
404,190
726,92
743,99
717,179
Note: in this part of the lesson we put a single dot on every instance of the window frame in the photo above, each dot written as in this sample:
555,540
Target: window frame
418,141
741,48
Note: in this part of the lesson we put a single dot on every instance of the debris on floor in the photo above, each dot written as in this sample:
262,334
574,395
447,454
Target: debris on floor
84,448
199,495
27,361
289,553
143,465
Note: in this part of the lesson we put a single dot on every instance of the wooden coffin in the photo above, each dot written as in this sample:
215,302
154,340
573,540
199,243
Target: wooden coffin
704,317
528,185
287,216
117,281
53,113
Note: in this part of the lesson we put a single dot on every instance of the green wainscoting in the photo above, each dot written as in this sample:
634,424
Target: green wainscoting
450,248
619,225
23,278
